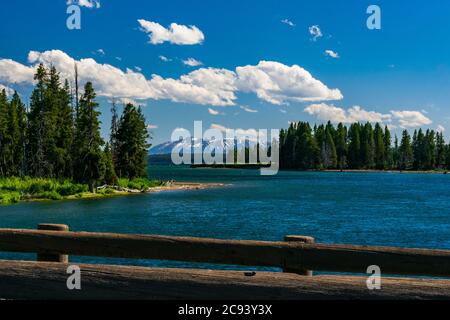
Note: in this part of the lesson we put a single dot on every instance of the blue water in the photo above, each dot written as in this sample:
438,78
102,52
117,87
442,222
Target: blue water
393,209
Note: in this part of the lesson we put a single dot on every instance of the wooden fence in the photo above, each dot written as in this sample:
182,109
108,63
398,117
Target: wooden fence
295,255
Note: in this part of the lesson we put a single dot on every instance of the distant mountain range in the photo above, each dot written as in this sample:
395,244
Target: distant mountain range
166,148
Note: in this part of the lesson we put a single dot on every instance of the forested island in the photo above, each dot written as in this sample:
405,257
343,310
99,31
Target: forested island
54,149
361,147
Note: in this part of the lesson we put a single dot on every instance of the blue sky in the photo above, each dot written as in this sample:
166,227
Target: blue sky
399,74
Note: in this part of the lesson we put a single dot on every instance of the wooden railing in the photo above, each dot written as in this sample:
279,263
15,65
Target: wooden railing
46,278
295,254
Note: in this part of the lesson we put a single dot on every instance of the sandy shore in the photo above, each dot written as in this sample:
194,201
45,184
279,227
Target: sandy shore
176,186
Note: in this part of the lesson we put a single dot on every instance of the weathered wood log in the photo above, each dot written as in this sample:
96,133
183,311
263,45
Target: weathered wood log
53,257
300,239
320,257
33,280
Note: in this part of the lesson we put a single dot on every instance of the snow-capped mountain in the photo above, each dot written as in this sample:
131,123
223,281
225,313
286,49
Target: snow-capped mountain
225,144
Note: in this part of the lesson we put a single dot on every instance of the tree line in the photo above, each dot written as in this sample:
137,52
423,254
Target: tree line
361,147
58,136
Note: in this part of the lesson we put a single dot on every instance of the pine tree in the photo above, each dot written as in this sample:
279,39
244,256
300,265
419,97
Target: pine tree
132,139
64,133
395,154
405,152
354,148
380,149
20,147
4,137
328,152
14,160
110,177
37,160
114,131
367,146
341,146
89,164
388,148
440,150
418,149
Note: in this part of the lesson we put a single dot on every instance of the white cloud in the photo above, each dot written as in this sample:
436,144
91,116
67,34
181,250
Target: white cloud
278,84
191,62
119,58
8,90
213,112
165,59
152,126
440,128
335,114
14,72
100,52
283,111
126,101
403,119
218,127
411,119
332,54
271,81
288,22
175,34
138,68
315,32
85,3
247,109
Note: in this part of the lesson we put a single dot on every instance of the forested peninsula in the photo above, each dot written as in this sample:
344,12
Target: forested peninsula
54,150
361,147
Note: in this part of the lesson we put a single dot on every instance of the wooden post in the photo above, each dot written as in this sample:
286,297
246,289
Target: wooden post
300,239
62,258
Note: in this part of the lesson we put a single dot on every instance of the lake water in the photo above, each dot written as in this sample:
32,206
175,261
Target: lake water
393,209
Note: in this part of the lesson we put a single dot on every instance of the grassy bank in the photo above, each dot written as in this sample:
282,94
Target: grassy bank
14,190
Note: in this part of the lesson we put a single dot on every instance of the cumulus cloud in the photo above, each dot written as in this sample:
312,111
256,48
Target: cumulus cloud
14,72
315,32
326,112
271,81
191,62
411,119
278,84
332,54
175,34
288,22
85,3
404,119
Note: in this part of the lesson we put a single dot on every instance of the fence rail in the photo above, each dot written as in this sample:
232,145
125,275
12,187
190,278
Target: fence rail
296,254
43,281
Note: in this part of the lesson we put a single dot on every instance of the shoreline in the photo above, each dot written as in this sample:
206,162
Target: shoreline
257,167
170,186
184,186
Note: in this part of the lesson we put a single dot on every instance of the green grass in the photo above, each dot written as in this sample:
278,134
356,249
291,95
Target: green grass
14,190
140,183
